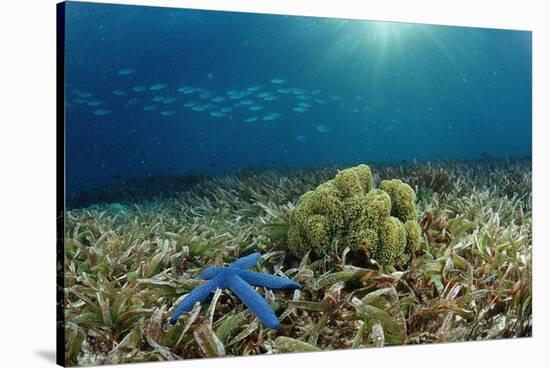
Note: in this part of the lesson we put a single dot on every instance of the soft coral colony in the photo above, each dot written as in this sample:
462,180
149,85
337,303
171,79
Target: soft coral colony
349,211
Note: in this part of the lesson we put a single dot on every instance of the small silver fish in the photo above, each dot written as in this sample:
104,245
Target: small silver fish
149,107
102,112
126,71
158,86
323,128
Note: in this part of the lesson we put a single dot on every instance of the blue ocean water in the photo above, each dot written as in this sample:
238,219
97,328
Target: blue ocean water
161,91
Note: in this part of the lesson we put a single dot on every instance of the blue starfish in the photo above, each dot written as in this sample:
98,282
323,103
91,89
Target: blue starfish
240,281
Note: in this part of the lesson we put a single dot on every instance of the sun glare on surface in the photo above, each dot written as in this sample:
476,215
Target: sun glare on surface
378,51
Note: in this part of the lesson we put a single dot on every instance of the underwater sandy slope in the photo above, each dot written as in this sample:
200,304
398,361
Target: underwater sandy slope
127,264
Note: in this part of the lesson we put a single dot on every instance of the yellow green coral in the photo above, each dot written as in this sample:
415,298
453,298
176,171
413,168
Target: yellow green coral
349,211
377,204
365,177
365,240
402,197
414,233
325,201
317,230
348,184
393,240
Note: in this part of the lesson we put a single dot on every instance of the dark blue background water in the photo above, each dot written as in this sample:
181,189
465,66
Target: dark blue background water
403,92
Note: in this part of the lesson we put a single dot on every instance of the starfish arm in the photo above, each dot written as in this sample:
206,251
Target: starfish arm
253,301
210,272
246,262
199,294
268,281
